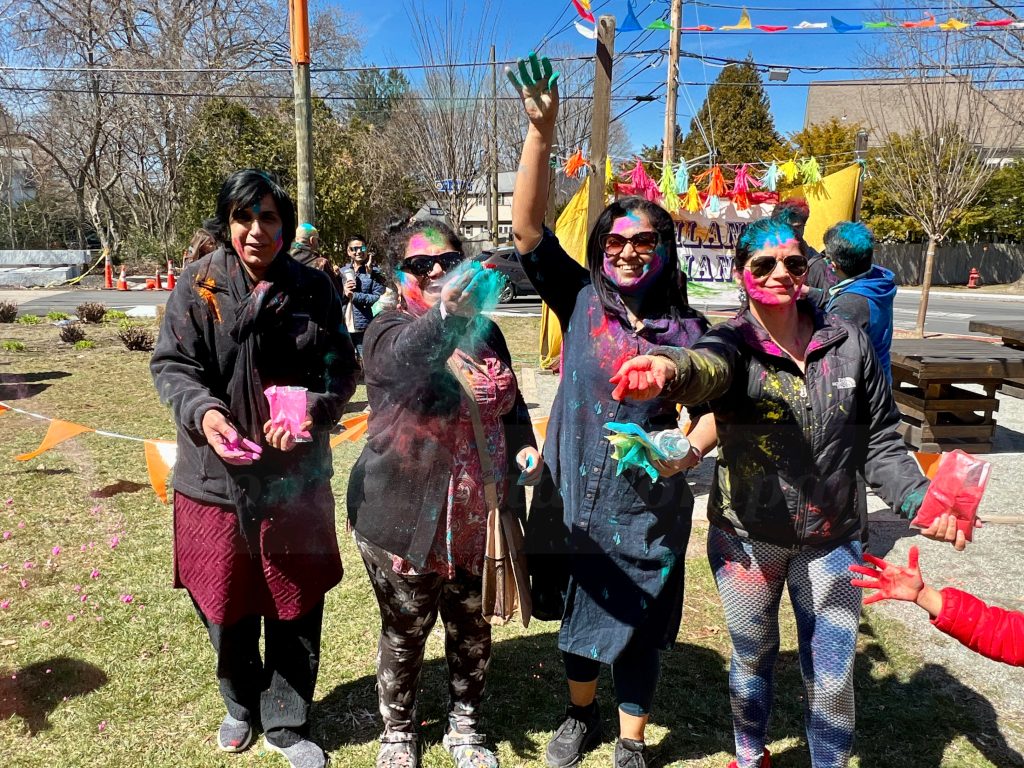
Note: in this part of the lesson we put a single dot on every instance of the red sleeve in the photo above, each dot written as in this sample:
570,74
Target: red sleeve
985,629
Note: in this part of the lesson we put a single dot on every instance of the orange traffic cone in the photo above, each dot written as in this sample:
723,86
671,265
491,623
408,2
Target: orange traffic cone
108,272
159,284
170,276
122,281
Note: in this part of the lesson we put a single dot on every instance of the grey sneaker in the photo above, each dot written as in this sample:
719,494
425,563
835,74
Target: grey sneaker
234,735
301,754
629,753
578,733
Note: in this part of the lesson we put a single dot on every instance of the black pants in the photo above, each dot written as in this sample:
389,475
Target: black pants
279,687
634,674
409,606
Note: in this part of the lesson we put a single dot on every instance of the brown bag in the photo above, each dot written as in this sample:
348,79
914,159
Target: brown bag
506,581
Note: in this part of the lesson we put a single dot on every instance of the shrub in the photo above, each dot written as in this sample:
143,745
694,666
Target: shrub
8,311
85,344
137,338
72,333
114,316
29,320
55,316
12,346
91,312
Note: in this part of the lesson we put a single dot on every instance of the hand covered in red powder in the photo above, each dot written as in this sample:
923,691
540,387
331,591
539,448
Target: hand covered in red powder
944,528
893,582
642,378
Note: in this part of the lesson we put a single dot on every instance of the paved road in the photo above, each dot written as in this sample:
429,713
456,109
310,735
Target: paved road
946,313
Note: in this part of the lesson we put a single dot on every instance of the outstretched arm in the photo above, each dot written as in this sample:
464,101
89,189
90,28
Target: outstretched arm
536,84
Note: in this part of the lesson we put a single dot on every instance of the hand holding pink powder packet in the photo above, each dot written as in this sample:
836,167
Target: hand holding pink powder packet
957,488
288,409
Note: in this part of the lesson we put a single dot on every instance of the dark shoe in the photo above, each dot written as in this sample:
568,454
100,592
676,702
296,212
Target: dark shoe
301,754
468,750
234,735
766,761
398,750
578,733
629,753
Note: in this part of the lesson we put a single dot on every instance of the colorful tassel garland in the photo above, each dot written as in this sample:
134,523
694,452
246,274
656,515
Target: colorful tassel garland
789,170
682,178
714,204
770,180
669,197
576,165
643,184
692,203
740,188
716,182
810,171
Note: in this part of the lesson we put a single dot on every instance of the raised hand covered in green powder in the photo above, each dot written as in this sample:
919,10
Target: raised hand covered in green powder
471,289
537,85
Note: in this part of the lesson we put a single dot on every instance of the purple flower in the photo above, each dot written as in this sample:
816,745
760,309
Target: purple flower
7,535
94,573
55,551
5,604
127,599
44,624
114,541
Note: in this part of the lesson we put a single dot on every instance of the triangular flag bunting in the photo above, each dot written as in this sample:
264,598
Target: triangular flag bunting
878,24
923,24
842,26
994,23
583,9
57,433
771,28
660,24
953,25
811,25
630,23
698,28
355,427
587,32
161,456
743,23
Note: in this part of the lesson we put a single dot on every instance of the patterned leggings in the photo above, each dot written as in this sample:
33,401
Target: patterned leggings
750,577
408,610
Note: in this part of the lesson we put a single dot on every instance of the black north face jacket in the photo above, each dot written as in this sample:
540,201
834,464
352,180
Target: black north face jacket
791,443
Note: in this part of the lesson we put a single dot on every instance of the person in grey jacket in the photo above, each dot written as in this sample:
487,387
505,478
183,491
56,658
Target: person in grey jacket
802,406
254,534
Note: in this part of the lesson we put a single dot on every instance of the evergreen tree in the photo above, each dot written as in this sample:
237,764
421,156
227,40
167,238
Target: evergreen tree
375,93
738,114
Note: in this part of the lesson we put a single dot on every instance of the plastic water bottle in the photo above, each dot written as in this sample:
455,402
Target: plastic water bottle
347,273
671,443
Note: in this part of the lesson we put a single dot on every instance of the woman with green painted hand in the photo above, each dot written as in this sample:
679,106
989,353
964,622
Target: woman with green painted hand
438,377
627,533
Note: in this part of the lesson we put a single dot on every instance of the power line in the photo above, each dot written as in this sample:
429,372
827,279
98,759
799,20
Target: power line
812,68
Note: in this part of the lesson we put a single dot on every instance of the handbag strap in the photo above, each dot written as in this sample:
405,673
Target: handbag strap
490,485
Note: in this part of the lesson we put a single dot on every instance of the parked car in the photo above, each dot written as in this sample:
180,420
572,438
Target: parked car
506,261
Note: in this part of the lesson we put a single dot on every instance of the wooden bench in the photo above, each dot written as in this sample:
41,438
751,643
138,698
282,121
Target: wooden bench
1012,334
938,413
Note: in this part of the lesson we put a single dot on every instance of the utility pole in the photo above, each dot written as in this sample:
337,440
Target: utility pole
669,145
298,16
861,153
494,149
600,116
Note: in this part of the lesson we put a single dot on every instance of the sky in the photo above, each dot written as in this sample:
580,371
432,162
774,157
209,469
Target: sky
523,25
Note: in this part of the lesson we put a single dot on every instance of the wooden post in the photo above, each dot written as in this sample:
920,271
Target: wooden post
494,150
861,154
298,16
600,116
669,144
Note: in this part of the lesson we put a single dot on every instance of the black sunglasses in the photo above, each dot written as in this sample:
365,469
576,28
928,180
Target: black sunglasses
421,265
642,242
762,266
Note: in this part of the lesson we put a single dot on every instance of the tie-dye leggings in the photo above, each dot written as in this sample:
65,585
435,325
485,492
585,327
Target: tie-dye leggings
750,576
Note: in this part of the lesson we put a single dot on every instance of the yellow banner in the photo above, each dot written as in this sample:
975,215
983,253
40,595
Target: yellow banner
571,230
831,200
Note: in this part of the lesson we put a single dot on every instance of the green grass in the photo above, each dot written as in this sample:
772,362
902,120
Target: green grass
10,345
55,316
84,344
29,320
145,671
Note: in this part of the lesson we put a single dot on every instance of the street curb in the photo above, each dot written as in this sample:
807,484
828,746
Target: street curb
962,295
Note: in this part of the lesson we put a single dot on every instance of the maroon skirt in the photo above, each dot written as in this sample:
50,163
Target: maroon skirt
297,562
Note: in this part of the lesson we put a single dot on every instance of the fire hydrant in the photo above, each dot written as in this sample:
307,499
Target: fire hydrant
973,278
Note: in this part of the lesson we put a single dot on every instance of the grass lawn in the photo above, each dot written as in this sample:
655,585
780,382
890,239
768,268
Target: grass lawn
103,664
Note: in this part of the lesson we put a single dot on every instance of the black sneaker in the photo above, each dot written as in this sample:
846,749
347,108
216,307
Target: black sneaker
578,733
629,753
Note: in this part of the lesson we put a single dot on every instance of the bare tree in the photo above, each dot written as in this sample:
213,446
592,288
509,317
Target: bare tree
940,137
443,135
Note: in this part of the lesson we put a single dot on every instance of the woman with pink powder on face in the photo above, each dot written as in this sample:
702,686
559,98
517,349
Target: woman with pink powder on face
801,406
626,534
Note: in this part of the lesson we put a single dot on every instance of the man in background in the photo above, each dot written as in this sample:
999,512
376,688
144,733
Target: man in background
795,212
363,285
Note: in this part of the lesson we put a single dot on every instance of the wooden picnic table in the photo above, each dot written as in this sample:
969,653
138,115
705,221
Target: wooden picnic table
938,414
1012,334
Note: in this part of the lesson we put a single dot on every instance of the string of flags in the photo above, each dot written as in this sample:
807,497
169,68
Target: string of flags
160,455
630,23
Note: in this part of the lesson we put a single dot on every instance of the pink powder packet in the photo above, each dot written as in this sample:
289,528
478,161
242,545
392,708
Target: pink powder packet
958,486
288,408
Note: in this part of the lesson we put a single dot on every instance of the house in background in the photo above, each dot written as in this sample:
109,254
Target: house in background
864,101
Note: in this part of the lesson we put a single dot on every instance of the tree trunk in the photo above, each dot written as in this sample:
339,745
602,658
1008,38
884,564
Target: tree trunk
926,286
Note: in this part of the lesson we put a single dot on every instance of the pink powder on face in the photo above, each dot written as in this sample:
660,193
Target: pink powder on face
630,221
278,243
422,242
412,293
758,293
239,245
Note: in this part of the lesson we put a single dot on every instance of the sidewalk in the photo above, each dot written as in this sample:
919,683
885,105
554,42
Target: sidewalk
990,567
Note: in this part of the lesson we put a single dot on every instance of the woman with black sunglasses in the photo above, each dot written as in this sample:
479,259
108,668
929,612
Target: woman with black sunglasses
417,496
627,538
802,407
